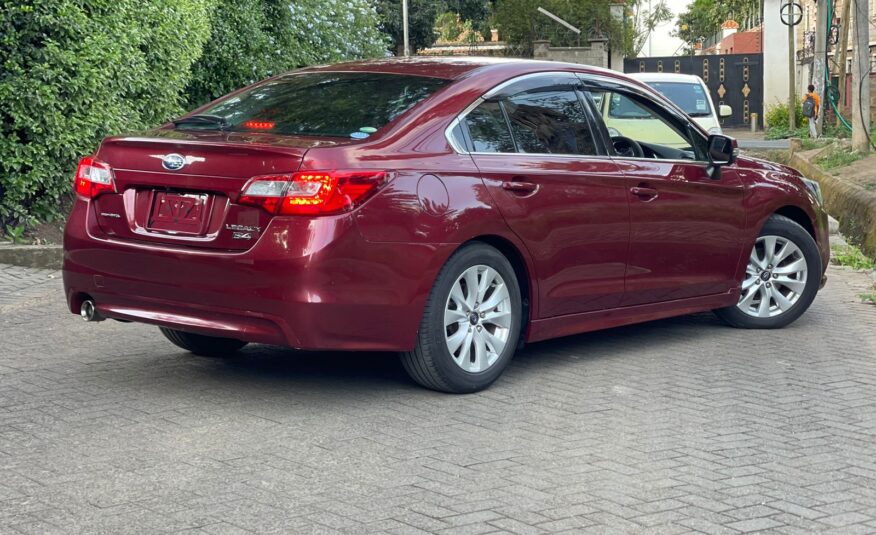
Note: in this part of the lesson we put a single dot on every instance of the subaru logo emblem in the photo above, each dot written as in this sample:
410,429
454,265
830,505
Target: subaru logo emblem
173,162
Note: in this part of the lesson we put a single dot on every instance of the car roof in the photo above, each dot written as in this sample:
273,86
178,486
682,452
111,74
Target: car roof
665,77
455,67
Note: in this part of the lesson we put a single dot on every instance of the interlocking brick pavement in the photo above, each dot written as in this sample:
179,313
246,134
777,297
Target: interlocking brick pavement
677,426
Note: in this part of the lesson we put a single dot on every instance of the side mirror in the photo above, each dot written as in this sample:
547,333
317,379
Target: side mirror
722,151
725,110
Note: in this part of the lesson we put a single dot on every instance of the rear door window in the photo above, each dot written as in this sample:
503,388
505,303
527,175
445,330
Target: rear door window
549,122
488,129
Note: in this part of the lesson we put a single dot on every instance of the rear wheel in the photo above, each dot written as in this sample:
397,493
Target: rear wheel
207,346
781,279
471,323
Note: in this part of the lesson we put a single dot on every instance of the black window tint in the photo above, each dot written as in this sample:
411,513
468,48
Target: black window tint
550,122
488,129
459,137
323,103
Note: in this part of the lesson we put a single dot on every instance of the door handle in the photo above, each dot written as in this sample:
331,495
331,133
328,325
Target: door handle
643,192
520,187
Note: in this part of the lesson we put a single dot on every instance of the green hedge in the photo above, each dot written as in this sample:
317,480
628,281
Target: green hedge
254,39
76,71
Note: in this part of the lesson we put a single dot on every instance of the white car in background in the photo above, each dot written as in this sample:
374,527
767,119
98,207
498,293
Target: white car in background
688,92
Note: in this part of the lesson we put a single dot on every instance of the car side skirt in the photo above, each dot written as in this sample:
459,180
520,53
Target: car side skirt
544,329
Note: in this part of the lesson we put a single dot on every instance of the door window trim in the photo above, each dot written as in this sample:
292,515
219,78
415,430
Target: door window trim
497,92
596,82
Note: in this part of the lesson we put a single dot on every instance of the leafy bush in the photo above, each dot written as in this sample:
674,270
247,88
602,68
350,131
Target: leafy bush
851,256
776,117
74,71
255,39
329,31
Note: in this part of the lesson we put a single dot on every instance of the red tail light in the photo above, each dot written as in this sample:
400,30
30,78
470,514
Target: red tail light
259,125
93,177
312,192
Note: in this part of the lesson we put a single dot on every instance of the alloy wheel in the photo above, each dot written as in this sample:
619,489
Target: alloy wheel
774,278
477,318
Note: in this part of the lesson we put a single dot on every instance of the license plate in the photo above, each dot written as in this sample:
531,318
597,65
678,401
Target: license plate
179,213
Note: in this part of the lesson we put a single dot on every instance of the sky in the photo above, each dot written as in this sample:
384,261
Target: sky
661,43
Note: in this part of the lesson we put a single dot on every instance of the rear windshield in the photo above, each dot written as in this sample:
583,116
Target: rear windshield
689,97
320,104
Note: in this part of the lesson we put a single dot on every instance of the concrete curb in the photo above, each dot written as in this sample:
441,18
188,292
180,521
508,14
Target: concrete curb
34,256
852,205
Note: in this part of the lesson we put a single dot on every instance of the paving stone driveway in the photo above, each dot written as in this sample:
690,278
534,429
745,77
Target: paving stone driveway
669,427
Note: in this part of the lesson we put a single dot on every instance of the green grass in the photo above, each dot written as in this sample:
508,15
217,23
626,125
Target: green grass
782,132
869,297
838,157
808,143
851,256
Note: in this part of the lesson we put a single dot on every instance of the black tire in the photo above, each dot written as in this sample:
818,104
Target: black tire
778,225
430,363
205,346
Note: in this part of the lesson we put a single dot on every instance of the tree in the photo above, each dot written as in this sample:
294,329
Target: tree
520,23
703,18
476,11
641,23
421,22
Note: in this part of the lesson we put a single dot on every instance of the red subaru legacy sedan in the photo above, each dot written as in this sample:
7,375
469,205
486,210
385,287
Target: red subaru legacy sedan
448,209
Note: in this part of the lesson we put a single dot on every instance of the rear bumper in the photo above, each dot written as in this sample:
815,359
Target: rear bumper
307,283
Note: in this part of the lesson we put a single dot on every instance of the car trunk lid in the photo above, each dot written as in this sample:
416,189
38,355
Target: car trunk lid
180,187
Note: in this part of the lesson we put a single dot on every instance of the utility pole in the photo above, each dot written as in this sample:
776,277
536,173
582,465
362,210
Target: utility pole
861,79
819,59
407,43
792,98
840,56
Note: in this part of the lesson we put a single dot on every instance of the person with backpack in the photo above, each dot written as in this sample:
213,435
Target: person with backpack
811,106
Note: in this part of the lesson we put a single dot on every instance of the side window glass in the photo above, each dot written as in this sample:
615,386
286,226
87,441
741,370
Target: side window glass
549,122
659,135
488,129
459,138
622,107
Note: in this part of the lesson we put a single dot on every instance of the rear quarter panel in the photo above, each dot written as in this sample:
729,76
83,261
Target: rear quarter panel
436,198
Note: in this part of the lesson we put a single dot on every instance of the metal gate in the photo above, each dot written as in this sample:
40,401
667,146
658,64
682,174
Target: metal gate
733,79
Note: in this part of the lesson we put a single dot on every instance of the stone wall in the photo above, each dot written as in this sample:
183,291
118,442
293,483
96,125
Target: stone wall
595,54
852,205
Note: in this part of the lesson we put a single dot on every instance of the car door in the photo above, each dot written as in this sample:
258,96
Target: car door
686,226
557,189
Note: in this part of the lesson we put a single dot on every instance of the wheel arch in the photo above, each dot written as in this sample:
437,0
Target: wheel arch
797,215
522,270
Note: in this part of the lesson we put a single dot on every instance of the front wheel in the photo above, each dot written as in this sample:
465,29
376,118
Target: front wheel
471,323
781,279
205,346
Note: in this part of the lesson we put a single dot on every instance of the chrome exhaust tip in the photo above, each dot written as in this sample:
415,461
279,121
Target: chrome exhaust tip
89,312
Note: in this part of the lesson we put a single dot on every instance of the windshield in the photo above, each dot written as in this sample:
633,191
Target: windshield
690,97
351,105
